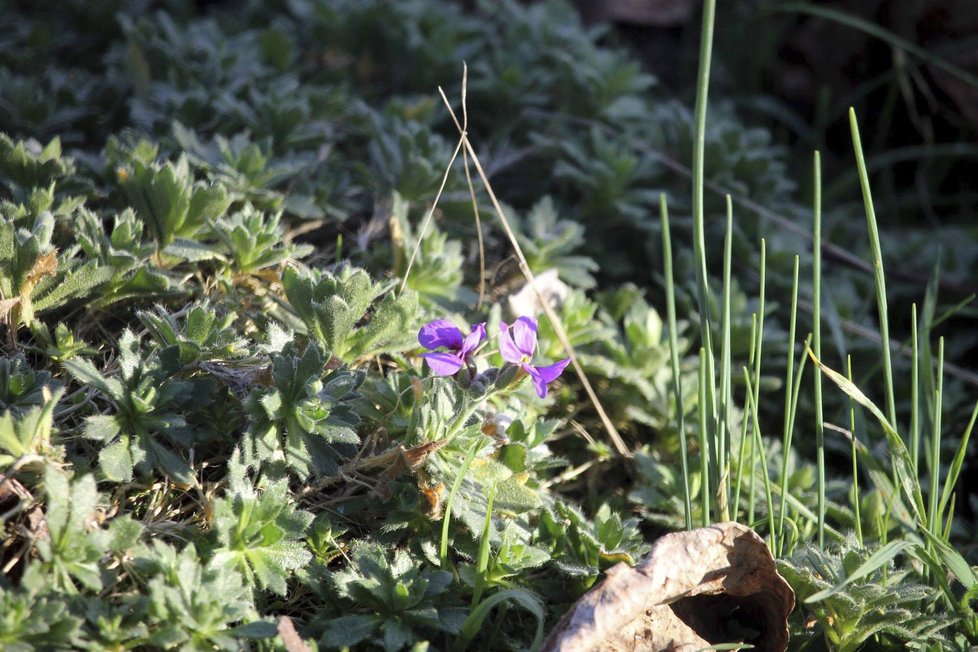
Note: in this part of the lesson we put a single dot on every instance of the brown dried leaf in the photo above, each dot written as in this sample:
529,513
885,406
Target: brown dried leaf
45,265
694,589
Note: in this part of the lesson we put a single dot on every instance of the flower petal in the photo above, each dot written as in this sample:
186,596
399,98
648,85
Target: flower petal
525,335
443,364
507,348
473,339
550,373
538,382
440,332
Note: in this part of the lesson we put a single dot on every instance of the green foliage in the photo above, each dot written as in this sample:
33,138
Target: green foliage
436,262
248,472
60,345
72,549
549,242
21,386
195,602
332,305
304,417
253,241
580,548
25,166
403,601
33,277
25,433
167,199
202,334
886,604
149,403
259,534
35,617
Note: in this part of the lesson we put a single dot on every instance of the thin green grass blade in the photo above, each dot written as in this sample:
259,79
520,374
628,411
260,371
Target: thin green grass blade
723,422
446,519
855,460
934,458
914,390
699,154
878,274
955,469
806,512
704,443
756,430
674,357
817,343
742,453
955,563
899,454
788,385
928,382
699,242
482,562
477,616
796,393
758,345
949,521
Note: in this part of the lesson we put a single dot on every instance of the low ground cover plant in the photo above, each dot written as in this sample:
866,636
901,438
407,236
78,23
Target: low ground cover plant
267,353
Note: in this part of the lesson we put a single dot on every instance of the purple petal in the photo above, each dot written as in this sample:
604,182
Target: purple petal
440,332
552,372
443,364
525,335
538,382
507,348
473,339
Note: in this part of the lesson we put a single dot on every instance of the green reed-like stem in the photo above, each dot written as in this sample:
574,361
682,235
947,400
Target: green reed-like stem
699,241
933,515
723,421
674,357
855,461
741,455
756,429
704,442
914,392
788,384
817,343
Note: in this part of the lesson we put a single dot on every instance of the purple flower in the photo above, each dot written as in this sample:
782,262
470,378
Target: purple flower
517,343
443,333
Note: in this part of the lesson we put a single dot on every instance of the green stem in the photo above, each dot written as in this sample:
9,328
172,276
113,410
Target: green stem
674,357
704,443
855,462
817,343
786,432
699,241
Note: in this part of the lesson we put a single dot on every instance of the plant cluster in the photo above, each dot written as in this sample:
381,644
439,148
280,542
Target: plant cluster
234,380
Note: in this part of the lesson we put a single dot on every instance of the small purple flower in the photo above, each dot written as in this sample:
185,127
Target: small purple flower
517,343
443,333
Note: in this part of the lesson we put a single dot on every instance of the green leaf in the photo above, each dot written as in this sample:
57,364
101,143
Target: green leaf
261,535
86,373
102,427
347,631
72,551
116,462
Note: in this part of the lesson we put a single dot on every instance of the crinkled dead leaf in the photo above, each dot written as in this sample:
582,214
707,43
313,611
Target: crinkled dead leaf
694,589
